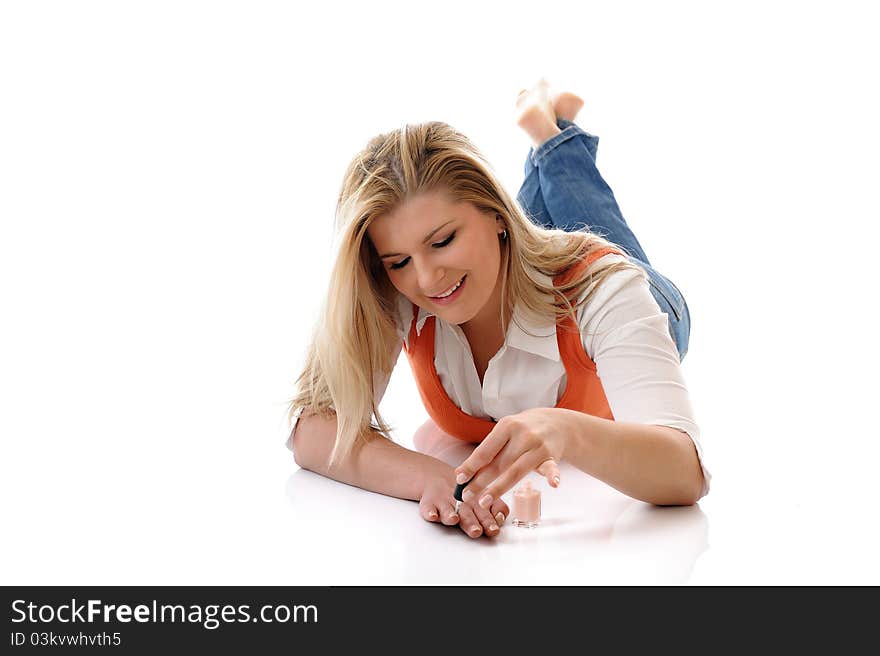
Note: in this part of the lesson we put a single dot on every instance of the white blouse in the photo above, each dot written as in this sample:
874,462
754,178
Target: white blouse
623,331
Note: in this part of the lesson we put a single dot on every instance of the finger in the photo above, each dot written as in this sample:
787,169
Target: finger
469,523
429,511
500,511
484,453
550,470
508,478
477,483
447,514
490,526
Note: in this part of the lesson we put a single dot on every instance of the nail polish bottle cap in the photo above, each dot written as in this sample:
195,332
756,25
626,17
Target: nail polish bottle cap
525,487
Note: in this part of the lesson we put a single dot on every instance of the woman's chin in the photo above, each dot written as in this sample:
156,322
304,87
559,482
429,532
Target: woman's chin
454,316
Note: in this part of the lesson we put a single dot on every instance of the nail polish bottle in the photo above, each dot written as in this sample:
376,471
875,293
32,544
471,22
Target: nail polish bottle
526,505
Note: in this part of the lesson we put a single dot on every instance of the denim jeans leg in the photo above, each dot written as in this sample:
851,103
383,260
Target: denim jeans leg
574,194
671,301
530,196
562,186
531,200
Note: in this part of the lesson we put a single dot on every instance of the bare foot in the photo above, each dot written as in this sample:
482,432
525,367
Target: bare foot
534,113
566,105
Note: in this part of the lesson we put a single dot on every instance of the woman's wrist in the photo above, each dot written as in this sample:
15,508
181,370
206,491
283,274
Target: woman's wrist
581,432
435,470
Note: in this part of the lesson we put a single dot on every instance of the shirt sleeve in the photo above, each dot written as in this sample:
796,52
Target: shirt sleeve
626,334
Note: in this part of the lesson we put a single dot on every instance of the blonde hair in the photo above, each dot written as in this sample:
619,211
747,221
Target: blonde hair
356,335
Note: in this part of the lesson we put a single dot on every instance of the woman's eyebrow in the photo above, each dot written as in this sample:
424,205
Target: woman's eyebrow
424,241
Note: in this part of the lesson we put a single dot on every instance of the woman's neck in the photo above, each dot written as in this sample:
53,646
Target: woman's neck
485,332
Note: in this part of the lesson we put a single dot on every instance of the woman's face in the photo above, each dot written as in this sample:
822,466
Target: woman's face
431,243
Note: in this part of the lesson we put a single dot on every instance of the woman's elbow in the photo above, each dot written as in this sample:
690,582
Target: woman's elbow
683,495
302,454
301,451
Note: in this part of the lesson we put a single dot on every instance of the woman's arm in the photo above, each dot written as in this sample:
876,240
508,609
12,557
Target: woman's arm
378,465
652,463
655,464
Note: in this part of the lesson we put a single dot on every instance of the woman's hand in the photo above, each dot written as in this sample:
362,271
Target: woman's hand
533,440
438,505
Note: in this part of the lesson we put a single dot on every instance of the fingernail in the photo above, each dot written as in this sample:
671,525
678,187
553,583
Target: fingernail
555,480
486,501
432,515
499,517
475,531
467,495
461,478
493,527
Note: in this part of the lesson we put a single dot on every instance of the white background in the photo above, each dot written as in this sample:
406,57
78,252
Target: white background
168,176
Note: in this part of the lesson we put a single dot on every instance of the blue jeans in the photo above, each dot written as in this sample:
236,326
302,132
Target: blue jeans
563,189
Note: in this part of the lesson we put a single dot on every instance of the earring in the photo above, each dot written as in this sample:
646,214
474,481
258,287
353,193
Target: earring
504,235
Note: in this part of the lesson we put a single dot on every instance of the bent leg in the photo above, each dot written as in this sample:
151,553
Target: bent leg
563,189
671,301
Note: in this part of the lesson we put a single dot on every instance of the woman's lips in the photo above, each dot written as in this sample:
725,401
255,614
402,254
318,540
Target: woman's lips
446,300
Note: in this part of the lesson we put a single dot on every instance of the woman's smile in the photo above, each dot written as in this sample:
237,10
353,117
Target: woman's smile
451,294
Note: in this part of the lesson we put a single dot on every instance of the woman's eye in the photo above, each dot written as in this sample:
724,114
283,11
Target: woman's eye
439,244
445,242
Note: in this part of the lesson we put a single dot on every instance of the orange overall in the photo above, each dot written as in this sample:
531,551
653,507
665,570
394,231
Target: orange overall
583,390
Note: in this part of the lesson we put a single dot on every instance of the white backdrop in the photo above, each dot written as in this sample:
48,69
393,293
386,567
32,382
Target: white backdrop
168,174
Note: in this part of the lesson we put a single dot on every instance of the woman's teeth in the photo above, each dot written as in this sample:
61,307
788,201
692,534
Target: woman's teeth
452,289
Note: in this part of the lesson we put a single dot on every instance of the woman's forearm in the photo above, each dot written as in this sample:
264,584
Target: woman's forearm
378,465
655,464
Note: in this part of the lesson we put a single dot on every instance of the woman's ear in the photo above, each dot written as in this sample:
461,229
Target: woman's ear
501,226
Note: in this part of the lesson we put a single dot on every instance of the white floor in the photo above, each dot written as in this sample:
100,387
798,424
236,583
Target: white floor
184,497
589,534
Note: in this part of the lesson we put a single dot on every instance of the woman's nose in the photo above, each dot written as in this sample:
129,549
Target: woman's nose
429,278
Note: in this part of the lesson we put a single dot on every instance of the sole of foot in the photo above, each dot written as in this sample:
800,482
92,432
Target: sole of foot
566,105
534,112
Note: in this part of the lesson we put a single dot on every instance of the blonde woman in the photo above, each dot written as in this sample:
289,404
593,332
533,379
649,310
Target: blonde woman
535,327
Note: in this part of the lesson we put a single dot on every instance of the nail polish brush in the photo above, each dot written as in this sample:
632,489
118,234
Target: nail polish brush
459,488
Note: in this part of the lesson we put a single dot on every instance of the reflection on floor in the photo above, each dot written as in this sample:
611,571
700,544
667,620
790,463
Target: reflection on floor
589,534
